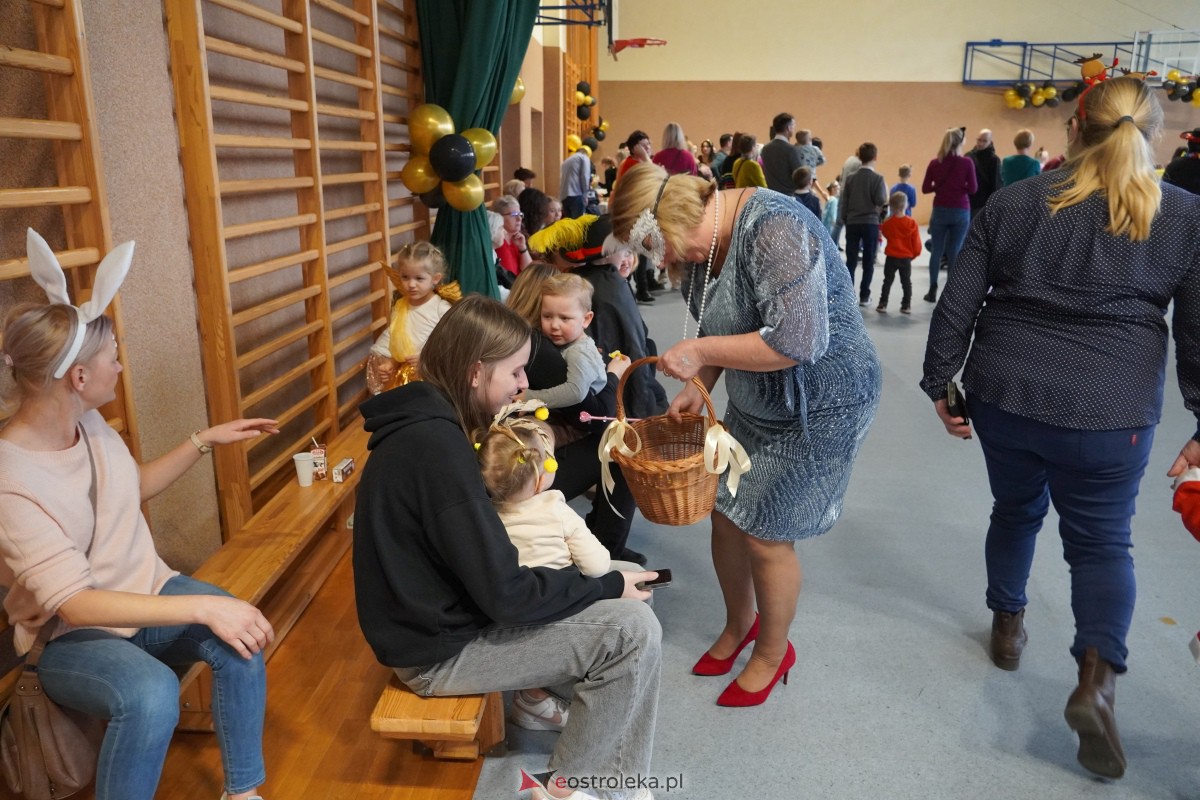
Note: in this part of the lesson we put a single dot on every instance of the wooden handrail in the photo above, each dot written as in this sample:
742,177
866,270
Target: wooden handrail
355,241
260,14
276,344
348,146
264,185
35,61
396,63
245,53
340,43
260,142
361,302
338,8
19,267
263,309
343,111
343,77
394,9
232,95
49,196
403,38
270,388
406,227
350,211
268,225
351,340
20,128
350,274
271,265
286,416
342,178
392,90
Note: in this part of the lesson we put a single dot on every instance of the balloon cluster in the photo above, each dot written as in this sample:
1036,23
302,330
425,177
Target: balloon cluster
441,168
1021,95
599,131
584,100
1179,86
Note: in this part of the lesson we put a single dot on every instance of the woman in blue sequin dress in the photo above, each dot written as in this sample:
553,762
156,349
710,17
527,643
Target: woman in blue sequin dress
778,317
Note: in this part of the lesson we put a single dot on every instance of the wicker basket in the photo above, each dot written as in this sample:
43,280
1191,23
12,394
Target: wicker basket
667,475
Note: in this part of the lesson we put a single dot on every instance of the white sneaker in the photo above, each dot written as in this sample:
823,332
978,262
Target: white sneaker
547,714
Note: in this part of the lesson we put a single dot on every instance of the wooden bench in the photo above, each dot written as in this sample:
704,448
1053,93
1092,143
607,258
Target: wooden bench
462,728
279,559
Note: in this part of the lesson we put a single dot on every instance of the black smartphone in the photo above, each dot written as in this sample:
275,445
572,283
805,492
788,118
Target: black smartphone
956,401
663,579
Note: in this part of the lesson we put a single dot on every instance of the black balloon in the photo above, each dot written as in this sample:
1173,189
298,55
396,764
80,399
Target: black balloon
592,142
1052,102
1168,86
1024,90
1069,94
583,86
434,198
583,112
453,157
598,134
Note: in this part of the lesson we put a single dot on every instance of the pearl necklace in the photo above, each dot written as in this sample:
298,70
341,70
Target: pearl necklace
712,253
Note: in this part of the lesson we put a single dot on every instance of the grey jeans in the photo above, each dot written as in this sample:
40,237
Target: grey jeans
610,651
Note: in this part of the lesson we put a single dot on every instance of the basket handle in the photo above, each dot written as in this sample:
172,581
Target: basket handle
712,414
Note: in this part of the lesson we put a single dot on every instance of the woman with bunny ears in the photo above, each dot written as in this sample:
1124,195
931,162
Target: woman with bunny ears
78,560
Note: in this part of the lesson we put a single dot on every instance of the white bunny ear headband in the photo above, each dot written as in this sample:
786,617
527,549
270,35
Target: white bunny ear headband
49,274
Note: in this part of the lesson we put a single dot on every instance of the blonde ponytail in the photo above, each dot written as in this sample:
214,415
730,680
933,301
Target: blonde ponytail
1118,119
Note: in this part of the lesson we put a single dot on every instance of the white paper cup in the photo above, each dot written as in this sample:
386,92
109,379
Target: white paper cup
304,468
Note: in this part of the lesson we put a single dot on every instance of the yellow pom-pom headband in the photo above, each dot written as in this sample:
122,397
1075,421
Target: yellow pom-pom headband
507,420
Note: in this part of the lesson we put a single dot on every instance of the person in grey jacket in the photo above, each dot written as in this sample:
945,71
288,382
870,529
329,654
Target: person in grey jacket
863,199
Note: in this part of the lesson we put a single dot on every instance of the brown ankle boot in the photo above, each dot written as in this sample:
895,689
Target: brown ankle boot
1008,639
1091,712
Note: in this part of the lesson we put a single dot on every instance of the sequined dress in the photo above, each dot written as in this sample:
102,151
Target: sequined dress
802,426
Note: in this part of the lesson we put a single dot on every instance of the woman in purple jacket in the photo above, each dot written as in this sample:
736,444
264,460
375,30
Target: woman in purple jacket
950,178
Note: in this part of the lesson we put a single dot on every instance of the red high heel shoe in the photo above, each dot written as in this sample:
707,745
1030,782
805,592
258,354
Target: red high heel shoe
738,697
707,665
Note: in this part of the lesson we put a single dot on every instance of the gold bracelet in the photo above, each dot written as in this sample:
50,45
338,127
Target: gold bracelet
204,449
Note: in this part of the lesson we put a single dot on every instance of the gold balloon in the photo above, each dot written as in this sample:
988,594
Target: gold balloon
580,98
1010,94
484,143
426,124
1174,75
604,125
419,176
588,100
464,195
1196,99
1049,92
1019,103
1038,99
573,142
518,91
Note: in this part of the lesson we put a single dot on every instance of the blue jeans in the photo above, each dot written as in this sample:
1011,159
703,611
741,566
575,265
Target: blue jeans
130,683
1092,478
948,230
868,236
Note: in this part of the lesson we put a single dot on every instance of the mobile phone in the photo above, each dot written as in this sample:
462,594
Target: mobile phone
956,402
663,579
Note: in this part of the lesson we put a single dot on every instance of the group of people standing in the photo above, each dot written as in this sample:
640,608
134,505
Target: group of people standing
1079,267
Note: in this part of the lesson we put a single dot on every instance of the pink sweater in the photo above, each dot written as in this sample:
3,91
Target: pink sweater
46,526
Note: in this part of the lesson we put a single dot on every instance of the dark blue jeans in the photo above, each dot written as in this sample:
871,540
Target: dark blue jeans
868,236
947,232
130,683
1092,478
572,206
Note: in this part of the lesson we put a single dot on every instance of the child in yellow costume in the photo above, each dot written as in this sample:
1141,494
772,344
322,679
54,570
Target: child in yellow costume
395,356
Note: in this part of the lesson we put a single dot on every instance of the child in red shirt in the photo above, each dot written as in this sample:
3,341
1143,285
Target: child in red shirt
903,245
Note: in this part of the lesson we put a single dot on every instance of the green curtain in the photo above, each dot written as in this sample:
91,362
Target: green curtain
472,52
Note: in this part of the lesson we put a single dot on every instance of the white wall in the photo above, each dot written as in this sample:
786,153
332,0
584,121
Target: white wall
859,40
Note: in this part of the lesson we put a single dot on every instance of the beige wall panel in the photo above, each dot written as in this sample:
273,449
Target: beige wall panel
905,120
880,40
140,152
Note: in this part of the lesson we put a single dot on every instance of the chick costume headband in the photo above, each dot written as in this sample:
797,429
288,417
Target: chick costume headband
49,274
507,421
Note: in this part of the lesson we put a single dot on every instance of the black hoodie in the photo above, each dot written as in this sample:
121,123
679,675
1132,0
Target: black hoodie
433,565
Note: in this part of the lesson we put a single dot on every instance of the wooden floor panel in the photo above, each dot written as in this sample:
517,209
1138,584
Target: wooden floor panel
322,686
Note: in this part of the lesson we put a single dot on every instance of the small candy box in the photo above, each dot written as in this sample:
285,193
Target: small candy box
320,466
342,470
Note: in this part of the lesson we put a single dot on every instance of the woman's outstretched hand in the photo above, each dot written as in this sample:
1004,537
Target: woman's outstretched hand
238,430
237,623
1189,456
955,426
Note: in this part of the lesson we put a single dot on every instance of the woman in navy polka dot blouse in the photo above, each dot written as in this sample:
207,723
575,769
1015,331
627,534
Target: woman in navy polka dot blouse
1061,297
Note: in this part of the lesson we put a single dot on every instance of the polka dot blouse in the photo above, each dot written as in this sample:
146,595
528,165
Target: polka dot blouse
1064,323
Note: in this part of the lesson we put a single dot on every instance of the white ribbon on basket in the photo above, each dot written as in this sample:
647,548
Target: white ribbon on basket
614,439
721,450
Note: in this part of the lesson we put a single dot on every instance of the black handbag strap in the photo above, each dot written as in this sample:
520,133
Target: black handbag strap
43,637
